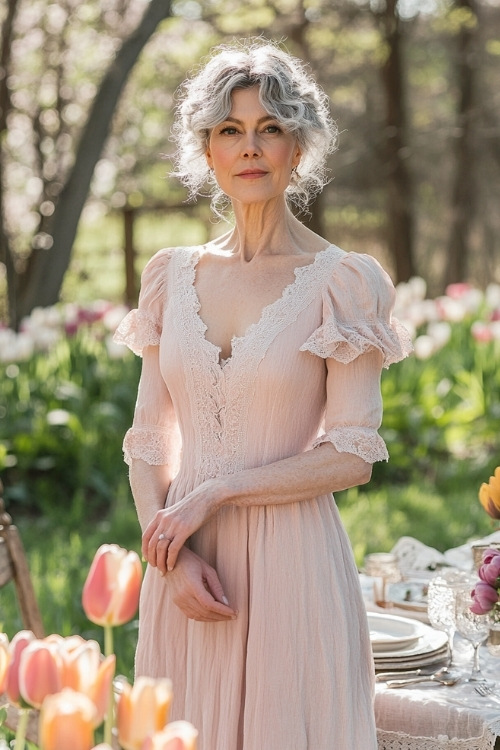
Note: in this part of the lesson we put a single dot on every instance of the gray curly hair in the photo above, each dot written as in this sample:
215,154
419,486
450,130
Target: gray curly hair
287,92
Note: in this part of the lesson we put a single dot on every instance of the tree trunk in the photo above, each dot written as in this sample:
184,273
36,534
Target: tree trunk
46,269
400,224
462,200
5,107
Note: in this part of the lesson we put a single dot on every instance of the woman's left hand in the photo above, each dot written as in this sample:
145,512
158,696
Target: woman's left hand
170,527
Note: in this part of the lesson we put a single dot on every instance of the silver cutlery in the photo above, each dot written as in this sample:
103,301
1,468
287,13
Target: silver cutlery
442,676
487,691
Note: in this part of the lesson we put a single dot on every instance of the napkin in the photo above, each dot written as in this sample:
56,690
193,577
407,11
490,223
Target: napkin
414,556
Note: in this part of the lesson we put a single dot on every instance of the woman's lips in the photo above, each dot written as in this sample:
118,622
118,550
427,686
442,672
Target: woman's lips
251,174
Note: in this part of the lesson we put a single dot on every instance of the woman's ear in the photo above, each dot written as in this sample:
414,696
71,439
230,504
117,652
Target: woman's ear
297,157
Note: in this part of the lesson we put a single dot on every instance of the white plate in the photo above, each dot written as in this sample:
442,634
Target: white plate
389,633
431,648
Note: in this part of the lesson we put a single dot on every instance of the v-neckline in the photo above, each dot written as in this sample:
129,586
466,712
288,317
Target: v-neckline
300,272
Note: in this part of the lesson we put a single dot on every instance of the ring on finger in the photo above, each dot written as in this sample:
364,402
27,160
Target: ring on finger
162,537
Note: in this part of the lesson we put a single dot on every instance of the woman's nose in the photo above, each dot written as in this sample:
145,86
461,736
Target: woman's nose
250,146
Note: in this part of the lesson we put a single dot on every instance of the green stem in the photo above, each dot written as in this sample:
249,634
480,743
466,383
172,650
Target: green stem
21,729
108,721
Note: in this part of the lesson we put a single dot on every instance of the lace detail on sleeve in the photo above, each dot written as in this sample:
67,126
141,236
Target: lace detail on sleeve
346,341
137,330
357,314
151,444
364,442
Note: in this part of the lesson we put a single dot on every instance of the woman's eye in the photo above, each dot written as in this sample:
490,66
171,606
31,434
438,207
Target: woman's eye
229,131
272,129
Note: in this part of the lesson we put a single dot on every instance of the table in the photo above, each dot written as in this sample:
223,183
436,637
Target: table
434,717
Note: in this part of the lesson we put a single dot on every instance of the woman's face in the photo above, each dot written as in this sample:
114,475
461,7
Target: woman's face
250,152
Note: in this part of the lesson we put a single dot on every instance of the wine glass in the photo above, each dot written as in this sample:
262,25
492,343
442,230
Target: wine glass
441,595
474,628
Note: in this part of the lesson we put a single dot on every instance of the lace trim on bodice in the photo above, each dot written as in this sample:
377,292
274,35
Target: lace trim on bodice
222,409
400,741
151,444
137,330
364,442
345,341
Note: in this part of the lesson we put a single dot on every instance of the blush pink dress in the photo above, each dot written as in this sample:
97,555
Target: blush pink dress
294,671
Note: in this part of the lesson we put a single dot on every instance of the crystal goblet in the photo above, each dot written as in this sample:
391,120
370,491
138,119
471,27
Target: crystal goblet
441,596
475,628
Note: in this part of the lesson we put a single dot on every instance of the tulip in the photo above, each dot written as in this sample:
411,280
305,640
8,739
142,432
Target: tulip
40,672
4,660
489,495
485,597
179,735
86,672
111,591
67,720
17,645
142,710
489,572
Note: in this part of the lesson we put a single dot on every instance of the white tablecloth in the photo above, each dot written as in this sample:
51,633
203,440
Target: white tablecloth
435,717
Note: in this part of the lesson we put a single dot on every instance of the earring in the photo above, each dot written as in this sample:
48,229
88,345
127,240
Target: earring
295,176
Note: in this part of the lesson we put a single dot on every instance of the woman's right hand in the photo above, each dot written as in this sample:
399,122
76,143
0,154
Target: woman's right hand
196,589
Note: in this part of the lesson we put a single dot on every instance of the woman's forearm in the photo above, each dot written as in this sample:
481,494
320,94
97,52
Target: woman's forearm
149,485
299,477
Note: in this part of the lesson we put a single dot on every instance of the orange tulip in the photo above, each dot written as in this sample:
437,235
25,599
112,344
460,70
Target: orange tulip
4,660
67,720
142,710
179,735
17,645
40,672
85,671
111,591
489,495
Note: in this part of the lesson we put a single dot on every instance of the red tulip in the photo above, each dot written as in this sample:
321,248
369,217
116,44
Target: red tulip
111,591
179,735
17,645
142,710
67,720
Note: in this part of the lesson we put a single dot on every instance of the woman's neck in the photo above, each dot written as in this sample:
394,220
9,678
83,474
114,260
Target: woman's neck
266,229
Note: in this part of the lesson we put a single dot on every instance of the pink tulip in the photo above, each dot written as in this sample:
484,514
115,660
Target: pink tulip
85,671
17,645
111,591
489,572
40,672
485,597
142,710
4,660
67,720
179,735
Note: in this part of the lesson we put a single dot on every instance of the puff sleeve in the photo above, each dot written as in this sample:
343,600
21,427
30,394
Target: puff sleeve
357,337
154,435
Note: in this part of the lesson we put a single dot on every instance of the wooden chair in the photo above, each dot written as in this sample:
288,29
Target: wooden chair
14,567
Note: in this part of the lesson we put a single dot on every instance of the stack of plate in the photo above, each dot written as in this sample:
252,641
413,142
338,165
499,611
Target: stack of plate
403,643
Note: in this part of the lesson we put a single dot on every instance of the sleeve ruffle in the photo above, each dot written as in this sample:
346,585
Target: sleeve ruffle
151,444
137,330
142,327
357,315
364,442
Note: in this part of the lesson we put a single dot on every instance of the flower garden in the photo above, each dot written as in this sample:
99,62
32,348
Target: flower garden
67,398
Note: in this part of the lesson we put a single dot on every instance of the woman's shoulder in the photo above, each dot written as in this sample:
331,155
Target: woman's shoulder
360,275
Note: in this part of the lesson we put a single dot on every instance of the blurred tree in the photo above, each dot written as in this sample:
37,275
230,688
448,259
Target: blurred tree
64,176
463,198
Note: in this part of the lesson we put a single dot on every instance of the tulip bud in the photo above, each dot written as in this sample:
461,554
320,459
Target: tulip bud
142,710
111,591
17,645
67,720
85,671
179,735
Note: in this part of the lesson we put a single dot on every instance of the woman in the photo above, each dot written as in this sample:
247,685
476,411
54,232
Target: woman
262,353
